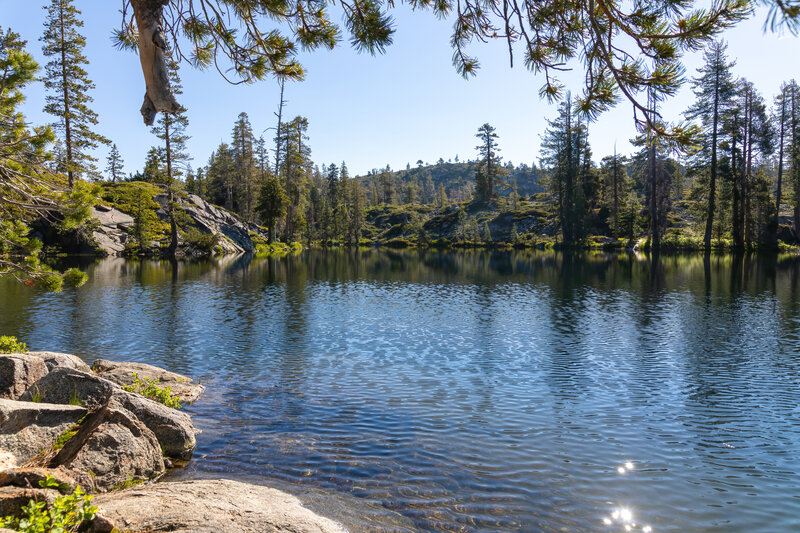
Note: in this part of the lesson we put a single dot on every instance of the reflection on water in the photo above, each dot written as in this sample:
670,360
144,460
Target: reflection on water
475,391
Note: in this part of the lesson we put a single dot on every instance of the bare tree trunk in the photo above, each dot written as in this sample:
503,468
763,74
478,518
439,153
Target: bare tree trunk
152,48
173,226
278,134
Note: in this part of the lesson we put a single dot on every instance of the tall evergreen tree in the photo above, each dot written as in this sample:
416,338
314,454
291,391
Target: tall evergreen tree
114,164
171,129
564,152
295,169
28,189
243,146
68,86
272,202
714,89
486,176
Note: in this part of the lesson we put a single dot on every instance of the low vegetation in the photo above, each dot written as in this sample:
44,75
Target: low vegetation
150,388
68,513
9,344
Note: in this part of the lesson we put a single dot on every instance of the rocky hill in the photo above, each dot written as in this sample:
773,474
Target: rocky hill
132,219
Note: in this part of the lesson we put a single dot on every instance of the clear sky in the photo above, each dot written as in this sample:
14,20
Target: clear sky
370,111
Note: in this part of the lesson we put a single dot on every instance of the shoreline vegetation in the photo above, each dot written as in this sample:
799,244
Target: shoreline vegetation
133,220
83,447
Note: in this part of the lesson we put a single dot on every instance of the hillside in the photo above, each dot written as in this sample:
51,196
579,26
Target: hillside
458,180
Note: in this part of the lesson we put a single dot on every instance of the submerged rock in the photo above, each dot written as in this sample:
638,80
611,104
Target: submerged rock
18,371
27,428
122,374
210,506
115,447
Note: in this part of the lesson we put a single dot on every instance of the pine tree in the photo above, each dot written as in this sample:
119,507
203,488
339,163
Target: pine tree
714,89
565,152
171,129
614,186
243,150
272,203
295,168
68,85
28,190
486,176
114,164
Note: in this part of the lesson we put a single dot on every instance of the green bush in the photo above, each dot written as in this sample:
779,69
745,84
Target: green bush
150,388
205,242
66,514
10,344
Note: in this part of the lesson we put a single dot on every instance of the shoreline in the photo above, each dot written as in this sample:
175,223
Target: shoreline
113,438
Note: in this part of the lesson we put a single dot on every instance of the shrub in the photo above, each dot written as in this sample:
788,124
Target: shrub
205,242
150,388
10,344
66,514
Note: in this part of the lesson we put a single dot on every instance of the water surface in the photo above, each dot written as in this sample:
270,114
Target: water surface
475,391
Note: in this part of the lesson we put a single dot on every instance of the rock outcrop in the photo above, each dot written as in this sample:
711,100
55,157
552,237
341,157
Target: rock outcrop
115,446
113,229
172,428
27,428
12,499
67,385
68,480
18,371
123,374
206,218
210,506
62,360
117,438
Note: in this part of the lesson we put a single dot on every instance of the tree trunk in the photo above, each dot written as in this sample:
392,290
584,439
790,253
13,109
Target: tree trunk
278,135
780,164
65,93
173,226
158,95
616,195
712,187
736,228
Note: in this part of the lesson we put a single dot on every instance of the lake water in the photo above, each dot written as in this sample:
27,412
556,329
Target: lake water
475,391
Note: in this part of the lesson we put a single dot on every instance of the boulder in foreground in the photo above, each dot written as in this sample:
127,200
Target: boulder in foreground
62,360
18,371
27,428
115,446
210,506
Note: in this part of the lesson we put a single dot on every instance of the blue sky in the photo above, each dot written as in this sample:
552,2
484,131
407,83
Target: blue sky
370,111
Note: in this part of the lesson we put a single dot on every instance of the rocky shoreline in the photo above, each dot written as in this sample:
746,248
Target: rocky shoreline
113,429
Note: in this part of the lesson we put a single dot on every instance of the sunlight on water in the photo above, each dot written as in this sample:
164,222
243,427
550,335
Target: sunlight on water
477,391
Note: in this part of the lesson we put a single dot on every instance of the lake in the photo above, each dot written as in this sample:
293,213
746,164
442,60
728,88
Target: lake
470,391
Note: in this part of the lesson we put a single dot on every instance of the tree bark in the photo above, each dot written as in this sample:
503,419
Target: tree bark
780,164
173,226
158,95
712,187
65,91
